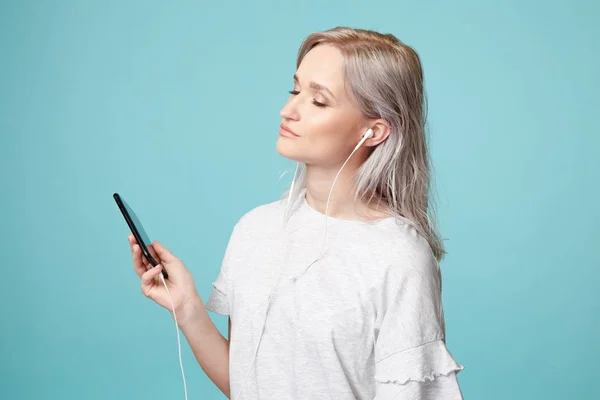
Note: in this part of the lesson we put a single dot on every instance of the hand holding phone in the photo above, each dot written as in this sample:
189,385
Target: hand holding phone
147,255
140,235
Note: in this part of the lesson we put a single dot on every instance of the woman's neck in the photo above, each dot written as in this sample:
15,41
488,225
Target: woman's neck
341,205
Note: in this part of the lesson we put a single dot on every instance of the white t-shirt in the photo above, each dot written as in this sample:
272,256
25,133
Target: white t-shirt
363,322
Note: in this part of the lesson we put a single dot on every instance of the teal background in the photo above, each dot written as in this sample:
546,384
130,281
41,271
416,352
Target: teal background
175,105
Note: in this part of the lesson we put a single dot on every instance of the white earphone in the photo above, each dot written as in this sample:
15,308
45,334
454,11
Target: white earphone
368,134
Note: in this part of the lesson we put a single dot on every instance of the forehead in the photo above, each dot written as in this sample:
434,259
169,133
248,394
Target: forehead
324,65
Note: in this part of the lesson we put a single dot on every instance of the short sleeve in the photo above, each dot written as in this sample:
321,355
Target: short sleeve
410,349
218,300
443,387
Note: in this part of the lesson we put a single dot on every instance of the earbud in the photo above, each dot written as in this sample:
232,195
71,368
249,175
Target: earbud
368,134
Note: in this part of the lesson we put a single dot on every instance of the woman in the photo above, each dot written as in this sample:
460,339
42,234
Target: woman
344,307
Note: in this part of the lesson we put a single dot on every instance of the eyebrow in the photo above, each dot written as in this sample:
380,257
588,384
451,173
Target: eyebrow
316,86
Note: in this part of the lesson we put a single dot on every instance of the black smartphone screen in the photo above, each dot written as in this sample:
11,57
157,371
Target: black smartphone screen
137,229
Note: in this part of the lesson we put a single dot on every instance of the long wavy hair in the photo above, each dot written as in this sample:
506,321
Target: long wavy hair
386,78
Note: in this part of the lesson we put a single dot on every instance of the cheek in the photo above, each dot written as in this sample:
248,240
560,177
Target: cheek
327,128
326,137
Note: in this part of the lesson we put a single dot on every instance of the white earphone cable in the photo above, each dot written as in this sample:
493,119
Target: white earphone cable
162,278
327,210
365,137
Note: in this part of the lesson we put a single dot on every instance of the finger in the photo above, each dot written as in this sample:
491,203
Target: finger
150,276
165,255
133,244
138,265
154,254
148,279
145,261
131,241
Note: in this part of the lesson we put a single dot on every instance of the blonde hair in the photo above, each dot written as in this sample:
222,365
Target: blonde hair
386,78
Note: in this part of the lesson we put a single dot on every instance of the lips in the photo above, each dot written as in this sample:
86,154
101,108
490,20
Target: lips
285,128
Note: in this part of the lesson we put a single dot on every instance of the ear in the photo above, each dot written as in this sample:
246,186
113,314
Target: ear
381,131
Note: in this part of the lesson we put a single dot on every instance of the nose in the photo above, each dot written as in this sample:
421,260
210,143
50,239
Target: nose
289,111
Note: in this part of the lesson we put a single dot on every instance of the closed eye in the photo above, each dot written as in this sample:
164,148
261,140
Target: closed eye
316,103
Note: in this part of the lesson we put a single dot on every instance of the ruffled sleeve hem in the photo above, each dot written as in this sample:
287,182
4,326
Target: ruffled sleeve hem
421,363
217,302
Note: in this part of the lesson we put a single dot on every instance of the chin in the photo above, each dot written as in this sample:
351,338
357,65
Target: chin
288,149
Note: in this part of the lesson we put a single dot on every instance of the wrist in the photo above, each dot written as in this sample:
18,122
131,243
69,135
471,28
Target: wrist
191,313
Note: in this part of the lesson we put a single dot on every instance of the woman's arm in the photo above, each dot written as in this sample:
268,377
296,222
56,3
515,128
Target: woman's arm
210,348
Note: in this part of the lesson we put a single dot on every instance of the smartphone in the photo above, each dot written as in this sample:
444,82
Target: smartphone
137,230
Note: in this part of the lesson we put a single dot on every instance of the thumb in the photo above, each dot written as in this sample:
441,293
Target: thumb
163,252
148,278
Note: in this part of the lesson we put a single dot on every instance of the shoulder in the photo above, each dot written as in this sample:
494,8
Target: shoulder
410,293
411,256
255,227
264,217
